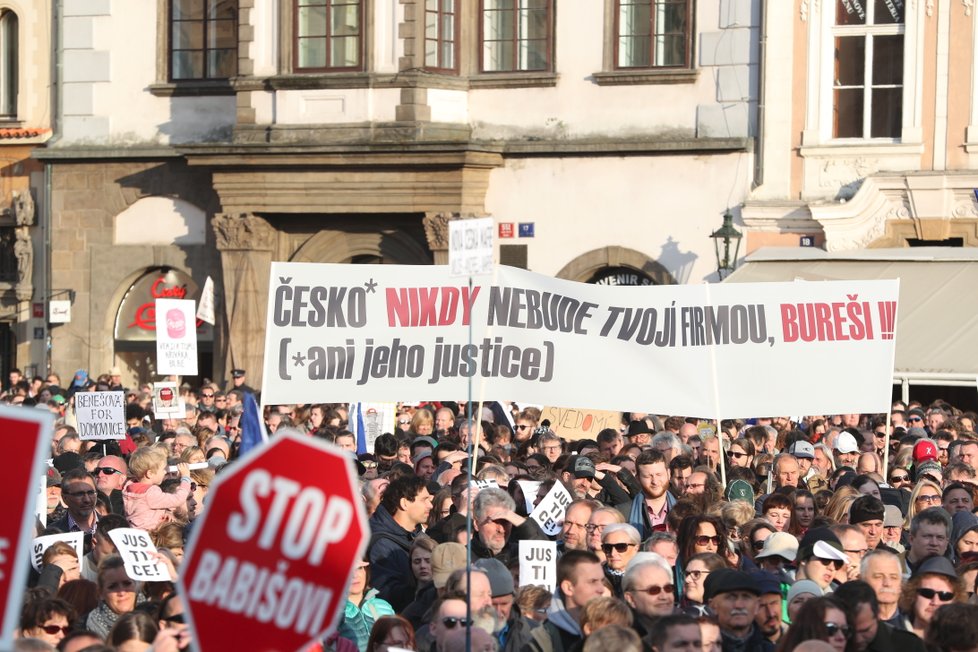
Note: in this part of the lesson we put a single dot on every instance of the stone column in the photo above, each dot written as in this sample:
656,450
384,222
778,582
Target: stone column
246,243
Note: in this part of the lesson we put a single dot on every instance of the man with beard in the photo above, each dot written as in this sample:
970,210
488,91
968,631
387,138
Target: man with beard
649,510
769,604
573,533
512,630
499,527
732,595
599,483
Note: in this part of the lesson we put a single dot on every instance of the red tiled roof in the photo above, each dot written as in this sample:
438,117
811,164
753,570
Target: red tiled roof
15,133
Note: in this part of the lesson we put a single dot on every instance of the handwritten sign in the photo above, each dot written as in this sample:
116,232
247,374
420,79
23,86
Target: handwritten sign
101,415
538,564
167,401
74,539
580,423
549,513
176,337
137,551
470,246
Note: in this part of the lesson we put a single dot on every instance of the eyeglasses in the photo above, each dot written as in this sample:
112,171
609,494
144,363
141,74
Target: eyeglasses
834,563
832,629
697,574
207,396
501,522
451,621
403,423
928,594
80,494
757,545
175,618
519,427
857,553
617,547
899,478
703,540
932,499
736,455
655,590
590,527
54,629
879,435
915,419
107,470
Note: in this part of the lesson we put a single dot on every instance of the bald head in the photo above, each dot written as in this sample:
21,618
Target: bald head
110,474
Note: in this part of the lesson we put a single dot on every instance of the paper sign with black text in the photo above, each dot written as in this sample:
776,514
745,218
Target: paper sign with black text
74,539
100,415
470,246
530,489
538,564
380,332
549,513
137,551
176,337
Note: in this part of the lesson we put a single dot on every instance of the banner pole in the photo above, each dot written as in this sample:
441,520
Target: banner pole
886,448
468,511
723,464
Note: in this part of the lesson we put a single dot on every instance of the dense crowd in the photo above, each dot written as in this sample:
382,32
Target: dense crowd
766,534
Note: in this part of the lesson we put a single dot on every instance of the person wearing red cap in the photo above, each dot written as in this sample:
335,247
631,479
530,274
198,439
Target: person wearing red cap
924,450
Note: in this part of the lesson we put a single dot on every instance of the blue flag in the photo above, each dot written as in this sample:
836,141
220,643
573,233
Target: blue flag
252,426
355,418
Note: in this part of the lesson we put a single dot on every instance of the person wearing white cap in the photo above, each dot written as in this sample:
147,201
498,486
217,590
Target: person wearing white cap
820,556
846,450
780,549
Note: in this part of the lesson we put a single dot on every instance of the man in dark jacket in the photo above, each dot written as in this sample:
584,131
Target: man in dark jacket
732,595
404,507
869,634
513,629
499,527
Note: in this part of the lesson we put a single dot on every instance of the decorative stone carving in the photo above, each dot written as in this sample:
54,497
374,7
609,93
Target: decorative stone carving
23,208
804,11
243,232
436,229
24,252
929,7
845,174
965,209
969,6
900,212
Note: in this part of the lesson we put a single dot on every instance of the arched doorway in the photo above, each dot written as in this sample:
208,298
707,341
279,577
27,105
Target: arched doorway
392,246
616,266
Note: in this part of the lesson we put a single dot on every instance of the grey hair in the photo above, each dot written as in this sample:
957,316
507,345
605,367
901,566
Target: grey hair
629,530
641,561
872,554
668,438
491,497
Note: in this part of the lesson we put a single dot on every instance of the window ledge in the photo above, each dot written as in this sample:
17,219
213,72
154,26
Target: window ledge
192,88
634,77
867,148
514,80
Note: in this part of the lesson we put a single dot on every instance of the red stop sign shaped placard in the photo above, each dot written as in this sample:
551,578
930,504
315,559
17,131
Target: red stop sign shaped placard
269,564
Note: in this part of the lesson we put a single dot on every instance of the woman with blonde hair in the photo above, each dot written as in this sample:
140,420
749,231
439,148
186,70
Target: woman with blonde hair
423,422
926,493
838,507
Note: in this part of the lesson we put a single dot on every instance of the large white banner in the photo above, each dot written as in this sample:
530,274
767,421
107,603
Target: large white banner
377,332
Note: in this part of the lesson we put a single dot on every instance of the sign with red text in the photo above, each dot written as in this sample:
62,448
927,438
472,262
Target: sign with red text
381,332
136,316
580,423
167,402
269,563
26,439
176,337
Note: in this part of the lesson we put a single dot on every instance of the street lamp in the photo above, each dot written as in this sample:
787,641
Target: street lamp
726,235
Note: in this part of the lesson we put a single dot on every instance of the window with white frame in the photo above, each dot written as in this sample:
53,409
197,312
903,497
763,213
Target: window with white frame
516,35
867,88
9,61
441,30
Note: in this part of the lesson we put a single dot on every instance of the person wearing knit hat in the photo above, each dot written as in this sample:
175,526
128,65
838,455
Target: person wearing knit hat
445,558
801,592
820,555
867,513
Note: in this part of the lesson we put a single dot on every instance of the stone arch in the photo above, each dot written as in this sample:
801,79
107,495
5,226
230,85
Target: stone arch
335,246
586,265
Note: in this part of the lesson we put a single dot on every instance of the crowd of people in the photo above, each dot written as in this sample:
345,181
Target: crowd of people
810,544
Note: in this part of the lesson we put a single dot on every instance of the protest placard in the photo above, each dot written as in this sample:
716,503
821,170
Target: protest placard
137,552
549,513
580,423
369,421
176,337
100,415
379,332
167,401
470,246
205,310
530,489
40,544
538,564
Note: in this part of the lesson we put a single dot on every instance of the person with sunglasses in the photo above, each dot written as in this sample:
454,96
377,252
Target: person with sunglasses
650,590
932,585
821,619
46,619
820,557
111,474
619,543
448,614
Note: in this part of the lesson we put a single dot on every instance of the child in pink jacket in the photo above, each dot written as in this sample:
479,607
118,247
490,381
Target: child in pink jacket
147,506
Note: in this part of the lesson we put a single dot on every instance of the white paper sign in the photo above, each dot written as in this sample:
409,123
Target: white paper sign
205,311
377,418
59,311
538,564
167,401
470,246
549,514
176,337
100,415
74,539
137,550
484,484
530,489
